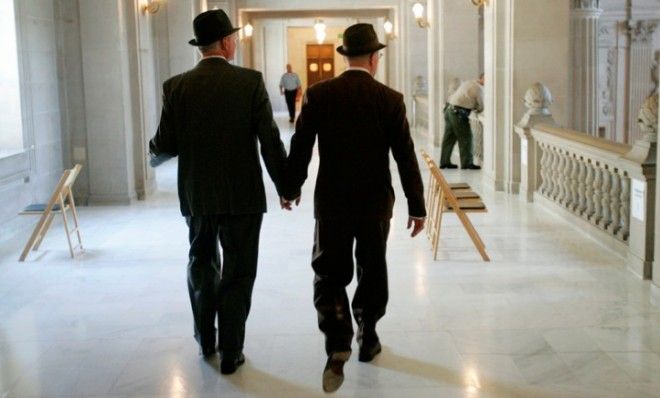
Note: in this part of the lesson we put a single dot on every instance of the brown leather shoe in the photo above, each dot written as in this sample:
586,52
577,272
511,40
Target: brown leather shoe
333,374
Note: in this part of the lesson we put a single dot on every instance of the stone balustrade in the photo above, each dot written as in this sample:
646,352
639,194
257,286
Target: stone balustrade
477,126
420,114
602,186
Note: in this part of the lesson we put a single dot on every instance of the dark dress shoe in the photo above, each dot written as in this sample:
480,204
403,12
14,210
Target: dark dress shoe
333,373
448,166
368,351
229,365
207,353
472,167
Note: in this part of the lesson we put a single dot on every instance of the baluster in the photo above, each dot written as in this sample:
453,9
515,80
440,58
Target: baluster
556,172
574,184
544,169
625,208
598,206
589,191
554,187
565,178
615,203
605,197
582,175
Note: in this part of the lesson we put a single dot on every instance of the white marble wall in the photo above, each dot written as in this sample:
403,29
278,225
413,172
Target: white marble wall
41,111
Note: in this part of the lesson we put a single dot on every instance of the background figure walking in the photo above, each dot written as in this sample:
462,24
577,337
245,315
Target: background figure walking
291,88
467,98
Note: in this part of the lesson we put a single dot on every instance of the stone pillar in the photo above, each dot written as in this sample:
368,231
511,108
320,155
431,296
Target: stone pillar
584,27
640,71
512,65
656,261
113,103
435,72
642,221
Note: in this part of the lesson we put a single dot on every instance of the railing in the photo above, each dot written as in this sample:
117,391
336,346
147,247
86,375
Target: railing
477,127
595,183
586,176
420,113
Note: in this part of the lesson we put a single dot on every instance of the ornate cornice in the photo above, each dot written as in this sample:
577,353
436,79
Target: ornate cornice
586,4
642,31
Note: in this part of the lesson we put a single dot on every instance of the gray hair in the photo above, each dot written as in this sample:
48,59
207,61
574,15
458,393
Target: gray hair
211,47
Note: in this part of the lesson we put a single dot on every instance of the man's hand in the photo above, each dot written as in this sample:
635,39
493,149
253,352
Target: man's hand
286,204
418,225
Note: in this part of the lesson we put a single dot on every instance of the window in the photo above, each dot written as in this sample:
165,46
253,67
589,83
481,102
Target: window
11,126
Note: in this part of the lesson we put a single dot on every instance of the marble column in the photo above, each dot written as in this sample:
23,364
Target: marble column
584,26
435,71
656,252
524,42
640,71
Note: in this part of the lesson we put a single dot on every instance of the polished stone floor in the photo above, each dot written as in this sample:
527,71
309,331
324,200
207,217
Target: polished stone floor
553,315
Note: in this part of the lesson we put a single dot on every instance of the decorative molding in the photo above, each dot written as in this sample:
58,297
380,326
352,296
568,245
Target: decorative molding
607,93
642,31
586,4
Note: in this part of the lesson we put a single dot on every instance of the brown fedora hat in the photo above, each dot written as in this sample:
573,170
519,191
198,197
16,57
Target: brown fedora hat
211,26
360,39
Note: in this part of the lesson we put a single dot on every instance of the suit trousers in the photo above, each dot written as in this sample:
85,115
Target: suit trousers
457,128
290,96
221,286
332,262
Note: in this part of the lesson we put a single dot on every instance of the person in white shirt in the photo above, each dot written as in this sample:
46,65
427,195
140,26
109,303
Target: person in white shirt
467,98
290,87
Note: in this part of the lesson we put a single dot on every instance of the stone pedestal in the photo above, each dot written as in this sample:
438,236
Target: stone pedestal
584,27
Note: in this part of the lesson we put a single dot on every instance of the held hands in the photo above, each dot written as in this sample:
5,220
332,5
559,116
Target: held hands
418,225
285,204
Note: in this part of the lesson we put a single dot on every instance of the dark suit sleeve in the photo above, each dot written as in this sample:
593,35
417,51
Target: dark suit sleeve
163,145
403,150
302,145
272,149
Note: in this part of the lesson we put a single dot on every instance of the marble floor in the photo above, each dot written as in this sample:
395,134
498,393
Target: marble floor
553,315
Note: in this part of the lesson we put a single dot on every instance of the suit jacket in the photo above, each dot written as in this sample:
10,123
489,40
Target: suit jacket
212,118
358,122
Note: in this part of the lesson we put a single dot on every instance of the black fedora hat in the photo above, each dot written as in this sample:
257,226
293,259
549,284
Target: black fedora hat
211,26
360,39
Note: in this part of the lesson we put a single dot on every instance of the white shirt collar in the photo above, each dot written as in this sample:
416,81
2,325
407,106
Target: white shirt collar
214,56
358,68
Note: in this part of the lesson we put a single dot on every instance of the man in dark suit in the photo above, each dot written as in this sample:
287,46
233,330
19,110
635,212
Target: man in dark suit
213,117
358,122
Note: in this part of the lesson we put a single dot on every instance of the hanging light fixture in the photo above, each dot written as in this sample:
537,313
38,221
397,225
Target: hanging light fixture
388,27
319,29
418,12
248,29
151,7
480,3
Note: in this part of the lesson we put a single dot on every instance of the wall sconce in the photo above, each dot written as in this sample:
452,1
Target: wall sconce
319,29
480,3
388,27
248,29
418,12
151,7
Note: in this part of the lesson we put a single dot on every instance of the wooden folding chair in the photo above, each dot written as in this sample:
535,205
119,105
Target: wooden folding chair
457,198
60,202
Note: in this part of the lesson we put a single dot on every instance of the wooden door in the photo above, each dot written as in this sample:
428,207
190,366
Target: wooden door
320,62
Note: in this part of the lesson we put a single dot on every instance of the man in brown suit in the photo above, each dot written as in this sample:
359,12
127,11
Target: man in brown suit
358,122
216,117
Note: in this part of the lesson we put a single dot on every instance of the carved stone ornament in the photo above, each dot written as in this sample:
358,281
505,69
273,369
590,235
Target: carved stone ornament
538,99
586,4
648,117
642,31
